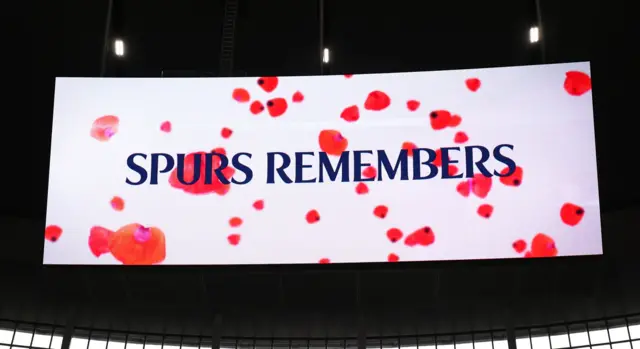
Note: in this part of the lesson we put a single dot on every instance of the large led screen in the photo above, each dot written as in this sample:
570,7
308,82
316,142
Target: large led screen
426,166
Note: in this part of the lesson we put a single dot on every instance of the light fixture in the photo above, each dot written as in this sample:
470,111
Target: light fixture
325,56
534,35
118,47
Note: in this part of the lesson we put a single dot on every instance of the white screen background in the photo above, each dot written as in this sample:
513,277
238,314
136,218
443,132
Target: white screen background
552,131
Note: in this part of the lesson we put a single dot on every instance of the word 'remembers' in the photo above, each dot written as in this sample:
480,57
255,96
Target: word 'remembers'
319,167
349,167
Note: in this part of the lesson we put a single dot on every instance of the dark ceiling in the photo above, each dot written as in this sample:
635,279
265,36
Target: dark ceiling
281,37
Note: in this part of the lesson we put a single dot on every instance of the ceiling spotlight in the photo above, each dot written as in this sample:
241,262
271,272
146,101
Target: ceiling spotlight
118,47
325,56
534,35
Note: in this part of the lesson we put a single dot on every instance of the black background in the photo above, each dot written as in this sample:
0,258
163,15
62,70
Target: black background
280,37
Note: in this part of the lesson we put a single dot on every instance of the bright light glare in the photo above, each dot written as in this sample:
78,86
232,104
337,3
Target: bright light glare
118,46
534,35
325,55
